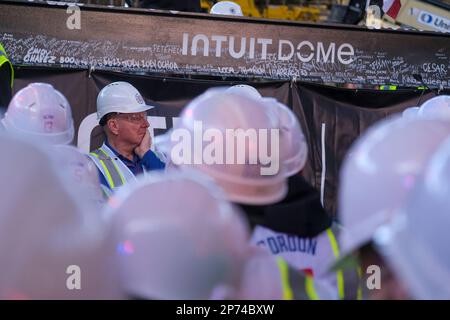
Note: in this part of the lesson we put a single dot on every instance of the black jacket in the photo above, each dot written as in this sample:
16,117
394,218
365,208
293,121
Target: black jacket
5,85
178,5
300,213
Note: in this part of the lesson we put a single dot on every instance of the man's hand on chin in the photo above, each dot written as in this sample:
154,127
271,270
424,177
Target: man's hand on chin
145,145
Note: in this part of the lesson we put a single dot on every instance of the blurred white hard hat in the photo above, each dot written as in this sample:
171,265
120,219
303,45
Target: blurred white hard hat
240,130
261,277
226,8
42,113
245,90
415,244
177,237
294,149
120,97
49,246
80,172
410,113
436,108
380,170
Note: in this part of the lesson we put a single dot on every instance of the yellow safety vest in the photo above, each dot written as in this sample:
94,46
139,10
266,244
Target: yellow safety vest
4,59
295,285
113,175
345,291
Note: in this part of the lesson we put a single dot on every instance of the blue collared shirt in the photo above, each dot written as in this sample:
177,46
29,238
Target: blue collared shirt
149,162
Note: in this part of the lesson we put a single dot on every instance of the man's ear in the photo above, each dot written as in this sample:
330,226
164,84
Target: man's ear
113,126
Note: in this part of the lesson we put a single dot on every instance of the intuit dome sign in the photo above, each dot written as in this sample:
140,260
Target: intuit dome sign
220,46
434,21
260,48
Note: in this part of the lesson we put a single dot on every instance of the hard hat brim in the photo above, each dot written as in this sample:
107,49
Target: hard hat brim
136,109
139,109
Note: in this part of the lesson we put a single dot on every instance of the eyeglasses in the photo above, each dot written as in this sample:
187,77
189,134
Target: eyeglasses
133,117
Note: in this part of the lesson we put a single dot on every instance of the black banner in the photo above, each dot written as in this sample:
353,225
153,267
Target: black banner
150,41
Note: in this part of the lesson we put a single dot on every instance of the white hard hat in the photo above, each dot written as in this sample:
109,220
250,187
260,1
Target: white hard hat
416,243
410,113
436,108
40,112
120,97
80,172
227,8
237,166
294,149
48,245
186,246
380,170
245,90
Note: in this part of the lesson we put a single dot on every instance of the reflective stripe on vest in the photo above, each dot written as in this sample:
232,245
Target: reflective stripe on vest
110,170
113,169
296,286
348,281
4,59
339,273
359,294
310,290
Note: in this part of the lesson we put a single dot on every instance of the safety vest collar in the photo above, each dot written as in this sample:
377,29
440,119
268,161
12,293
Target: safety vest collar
4,59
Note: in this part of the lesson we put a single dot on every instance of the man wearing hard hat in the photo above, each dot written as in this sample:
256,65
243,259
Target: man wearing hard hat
126,151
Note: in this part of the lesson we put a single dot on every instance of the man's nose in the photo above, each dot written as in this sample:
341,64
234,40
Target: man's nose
145,123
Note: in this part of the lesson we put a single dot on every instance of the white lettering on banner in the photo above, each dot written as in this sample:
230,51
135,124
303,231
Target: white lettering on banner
219,40
341,53
280,50
264,43
325,56
251,53
195,41
305,51
299,47
233,53
37,55
434,67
